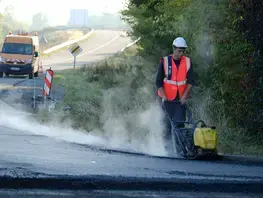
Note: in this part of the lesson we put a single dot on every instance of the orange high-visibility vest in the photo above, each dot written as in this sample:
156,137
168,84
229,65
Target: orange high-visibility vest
175,79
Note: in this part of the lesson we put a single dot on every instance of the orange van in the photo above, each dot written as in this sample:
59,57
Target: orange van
19,55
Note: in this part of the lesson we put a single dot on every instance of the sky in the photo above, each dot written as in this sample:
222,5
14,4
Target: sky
58,10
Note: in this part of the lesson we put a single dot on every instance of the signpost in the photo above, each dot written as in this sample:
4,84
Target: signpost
75,50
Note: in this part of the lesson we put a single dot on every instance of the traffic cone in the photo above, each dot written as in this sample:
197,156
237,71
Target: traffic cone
40,67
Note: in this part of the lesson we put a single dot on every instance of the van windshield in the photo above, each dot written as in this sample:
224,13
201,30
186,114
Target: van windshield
17,48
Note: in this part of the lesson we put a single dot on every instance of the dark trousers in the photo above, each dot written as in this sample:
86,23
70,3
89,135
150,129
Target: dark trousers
176,112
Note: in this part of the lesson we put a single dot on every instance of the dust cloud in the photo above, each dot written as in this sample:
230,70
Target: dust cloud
140,131
115,134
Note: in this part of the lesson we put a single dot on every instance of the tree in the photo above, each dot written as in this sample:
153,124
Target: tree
39,21
8,19
10,23
251,15
217,45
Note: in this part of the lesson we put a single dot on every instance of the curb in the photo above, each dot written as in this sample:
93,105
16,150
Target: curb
240,159
220,158
90,182
130,44
47,51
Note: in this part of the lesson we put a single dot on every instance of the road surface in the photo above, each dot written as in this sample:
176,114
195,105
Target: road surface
53,156
30,152
33,155
102,43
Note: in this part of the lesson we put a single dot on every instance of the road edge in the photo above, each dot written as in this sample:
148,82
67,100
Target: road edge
241,159
220,158
67,43
130,183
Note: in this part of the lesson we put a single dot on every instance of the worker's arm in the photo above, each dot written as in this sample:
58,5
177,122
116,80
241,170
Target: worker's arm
187,91
159,79
190,83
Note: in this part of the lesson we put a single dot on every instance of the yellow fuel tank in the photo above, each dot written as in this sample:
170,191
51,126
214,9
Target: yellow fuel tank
205,138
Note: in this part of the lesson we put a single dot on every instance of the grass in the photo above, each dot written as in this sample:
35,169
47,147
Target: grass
230,141
240,143
115,93
131,51
59,37
112,76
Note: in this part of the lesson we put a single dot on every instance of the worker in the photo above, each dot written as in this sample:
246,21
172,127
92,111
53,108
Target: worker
174,81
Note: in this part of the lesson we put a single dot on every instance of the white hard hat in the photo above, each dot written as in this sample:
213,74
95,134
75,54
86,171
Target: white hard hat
179,42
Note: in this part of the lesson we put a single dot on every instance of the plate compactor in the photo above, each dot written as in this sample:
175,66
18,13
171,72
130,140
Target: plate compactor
195,140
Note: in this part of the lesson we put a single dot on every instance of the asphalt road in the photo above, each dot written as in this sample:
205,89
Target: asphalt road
118,194
52,156
27,151
101,44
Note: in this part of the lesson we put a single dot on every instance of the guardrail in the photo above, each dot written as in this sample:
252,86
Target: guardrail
47,51
130,44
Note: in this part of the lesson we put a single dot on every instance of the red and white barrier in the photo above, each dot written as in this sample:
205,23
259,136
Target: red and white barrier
48,82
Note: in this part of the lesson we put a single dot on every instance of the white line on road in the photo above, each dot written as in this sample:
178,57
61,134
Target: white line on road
88,52
100,46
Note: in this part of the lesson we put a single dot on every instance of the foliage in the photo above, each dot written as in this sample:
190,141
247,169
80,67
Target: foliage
251,15
107,90
217,46
9,23
39,21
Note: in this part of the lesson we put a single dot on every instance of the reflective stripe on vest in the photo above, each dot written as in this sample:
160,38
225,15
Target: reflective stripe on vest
175,82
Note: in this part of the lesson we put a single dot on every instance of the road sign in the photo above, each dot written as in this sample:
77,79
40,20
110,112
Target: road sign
75,49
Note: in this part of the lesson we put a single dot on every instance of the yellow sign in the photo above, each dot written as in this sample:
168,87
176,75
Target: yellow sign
75,49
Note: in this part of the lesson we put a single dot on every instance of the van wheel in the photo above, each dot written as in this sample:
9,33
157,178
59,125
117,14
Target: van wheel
1,74
36,74
6,74
31,76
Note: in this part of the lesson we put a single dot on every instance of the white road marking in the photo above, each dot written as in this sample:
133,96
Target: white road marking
88,52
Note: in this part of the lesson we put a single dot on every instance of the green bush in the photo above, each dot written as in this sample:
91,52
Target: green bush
115,82
220,54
